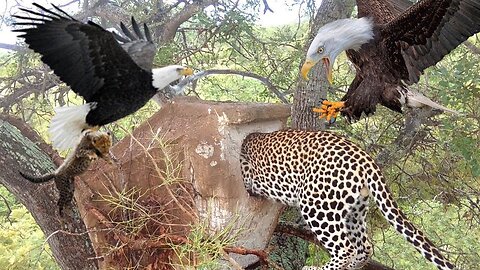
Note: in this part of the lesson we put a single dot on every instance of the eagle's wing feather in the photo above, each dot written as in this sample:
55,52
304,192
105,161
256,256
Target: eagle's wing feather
140,47
362,96
84,56
382,11
430,29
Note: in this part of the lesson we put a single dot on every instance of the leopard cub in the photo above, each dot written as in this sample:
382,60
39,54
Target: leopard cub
93,145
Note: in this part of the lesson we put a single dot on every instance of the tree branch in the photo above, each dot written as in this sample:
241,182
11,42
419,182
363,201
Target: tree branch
471,47
9,209
11,47
179,88
261,254
409,136
171,27
267,7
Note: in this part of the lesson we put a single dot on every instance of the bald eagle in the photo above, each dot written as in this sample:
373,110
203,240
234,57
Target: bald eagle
91,61
391,44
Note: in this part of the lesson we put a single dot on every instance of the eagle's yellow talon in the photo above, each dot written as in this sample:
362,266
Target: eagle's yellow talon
334,104
317,110
329,109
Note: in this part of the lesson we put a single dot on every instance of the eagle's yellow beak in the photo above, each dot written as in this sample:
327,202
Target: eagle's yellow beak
309,64
306,68
186,72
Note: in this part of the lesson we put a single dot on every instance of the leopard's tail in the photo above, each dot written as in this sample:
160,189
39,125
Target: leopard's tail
384,200
37,179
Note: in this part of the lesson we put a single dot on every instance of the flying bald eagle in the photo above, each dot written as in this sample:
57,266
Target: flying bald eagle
390,45
89,59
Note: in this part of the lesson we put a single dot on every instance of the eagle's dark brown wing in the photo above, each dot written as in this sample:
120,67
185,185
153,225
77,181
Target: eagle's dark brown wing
362,96
139,46
381,11
429,30
85,56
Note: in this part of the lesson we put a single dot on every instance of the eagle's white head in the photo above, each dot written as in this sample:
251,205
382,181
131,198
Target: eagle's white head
335,37
166,75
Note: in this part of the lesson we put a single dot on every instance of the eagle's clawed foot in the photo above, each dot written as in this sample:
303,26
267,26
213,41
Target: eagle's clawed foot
329,110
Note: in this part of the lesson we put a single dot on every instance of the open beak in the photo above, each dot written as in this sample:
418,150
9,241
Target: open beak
309,64
328,69
186,72
306,68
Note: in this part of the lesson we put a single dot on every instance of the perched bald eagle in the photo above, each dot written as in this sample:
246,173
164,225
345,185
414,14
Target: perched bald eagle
91,61
390,45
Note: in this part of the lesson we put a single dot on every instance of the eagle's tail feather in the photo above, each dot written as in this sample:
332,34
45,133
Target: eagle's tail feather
415,99
67,125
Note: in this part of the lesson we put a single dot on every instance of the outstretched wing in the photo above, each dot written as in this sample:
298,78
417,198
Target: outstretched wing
430,29
84,55
140,46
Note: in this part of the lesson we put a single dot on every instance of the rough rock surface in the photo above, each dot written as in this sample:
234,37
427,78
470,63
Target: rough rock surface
204,140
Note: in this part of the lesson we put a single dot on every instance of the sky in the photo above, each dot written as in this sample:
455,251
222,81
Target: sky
283,14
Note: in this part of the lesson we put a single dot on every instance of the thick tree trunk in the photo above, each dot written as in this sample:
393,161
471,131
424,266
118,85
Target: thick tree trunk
22,149
310,93
176,175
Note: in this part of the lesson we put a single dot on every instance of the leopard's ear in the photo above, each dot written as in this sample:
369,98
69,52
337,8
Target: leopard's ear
87,133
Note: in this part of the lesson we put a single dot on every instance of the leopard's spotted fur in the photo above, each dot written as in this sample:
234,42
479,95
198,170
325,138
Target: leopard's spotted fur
93,145
330,180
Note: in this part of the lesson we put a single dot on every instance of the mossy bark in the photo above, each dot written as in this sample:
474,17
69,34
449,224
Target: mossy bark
22,149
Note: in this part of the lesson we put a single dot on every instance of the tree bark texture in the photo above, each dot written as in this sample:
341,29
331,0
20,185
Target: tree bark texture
22,149
176,173
310,93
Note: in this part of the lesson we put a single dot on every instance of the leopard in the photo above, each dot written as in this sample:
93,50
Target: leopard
330,180
93,145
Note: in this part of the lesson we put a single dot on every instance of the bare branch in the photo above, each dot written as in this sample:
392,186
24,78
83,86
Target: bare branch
409,136
139,243
179,88
11,47
186,13
9,209
232,262
471,47
267,7
261,254
27,88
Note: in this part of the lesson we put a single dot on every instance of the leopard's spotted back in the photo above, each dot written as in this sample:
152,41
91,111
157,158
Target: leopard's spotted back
330,180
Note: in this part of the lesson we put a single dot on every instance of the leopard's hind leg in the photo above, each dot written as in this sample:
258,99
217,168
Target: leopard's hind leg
331,231
357,232
65,188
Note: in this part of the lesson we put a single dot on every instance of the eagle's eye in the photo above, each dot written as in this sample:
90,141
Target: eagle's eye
320,50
